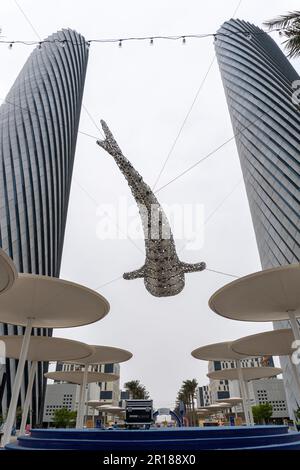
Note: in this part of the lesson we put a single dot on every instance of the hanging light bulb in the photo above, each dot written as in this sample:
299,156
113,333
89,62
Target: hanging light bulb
120,43
40,45
10,46
151,42
183,40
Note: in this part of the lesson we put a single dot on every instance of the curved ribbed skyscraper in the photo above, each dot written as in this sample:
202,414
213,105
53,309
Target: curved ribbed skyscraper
38,131
258,82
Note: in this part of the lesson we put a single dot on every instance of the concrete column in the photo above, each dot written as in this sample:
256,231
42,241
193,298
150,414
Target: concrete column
294,324
28,397
17,385
243,392
80,412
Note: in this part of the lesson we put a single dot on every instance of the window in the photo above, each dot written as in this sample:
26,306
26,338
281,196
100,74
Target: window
109,368
222,395
105,395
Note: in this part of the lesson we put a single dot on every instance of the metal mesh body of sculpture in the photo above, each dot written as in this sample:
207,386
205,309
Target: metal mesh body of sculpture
163,272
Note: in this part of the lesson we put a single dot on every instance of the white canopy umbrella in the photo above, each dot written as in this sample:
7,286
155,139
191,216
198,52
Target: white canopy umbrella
245,374
218,406
102,355
46,348
232,401
42,348
45,302
201,409
209,409
269,295
212,409
77,377
224,352
270,343
217,352
202,413
105,355
82,378
111,408
97,403
8,272
248,373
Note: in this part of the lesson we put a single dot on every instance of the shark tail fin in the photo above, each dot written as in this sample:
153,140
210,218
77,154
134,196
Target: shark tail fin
109,143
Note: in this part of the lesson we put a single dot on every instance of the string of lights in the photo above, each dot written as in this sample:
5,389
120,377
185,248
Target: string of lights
150,39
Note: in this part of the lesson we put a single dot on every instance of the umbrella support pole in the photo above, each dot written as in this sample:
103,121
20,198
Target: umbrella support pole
78,407
249,404
80,412
17,384
28,397
243,392
94,411
294,324
296,375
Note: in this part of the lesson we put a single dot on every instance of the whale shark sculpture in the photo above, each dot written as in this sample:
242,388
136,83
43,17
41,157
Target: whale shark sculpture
162,271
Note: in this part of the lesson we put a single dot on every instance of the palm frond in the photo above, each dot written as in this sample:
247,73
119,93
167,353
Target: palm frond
283,21
292,45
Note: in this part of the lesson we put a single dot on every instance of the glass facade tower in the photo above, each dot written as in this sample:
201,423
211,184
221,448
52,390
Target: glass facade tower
257,79
38,131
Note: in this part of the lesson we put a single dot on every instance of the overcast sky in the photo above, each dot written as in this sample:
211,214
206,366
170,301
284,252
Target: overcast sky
144,93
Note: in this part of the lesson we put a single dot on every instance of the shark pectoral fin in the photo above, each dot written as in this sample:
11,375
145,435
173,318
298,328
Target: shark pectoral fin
135,274
193,267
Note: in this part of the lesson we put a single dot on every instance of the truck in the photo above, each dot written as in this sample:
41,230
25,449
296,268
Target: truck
138,413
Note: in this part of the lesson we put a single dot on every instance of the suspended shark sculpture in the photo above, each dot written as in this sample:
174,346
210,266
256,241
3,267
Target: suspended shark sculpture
163,272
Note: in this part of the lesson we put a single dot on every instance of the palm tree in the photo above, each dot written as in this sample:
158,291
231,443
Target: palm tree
288,26
187,395
131,386
184,397
137,391
190,386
